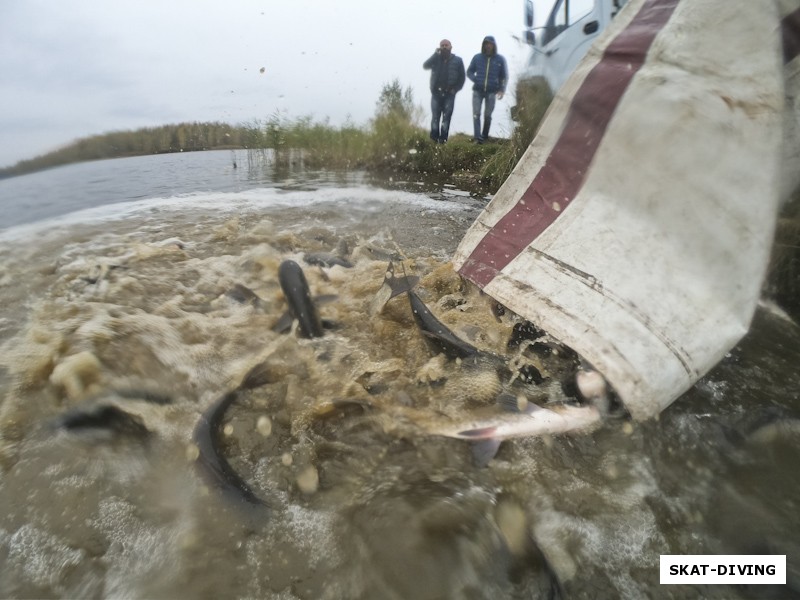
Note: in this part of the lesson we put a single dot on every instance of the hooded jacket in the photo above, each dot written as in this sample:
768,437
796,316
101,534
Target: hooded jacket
454,68
488,70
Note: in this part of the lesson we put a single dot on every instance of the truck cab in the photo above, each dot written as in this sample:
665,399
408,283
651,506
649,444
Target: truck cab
570,29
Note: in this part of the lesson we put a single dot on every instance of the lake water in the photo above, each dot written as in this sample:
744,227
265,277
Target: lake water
122,285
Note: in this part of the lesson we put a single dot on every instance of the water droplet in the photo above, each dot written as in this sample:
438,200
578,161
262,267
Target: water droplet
192,453
308,480
264,425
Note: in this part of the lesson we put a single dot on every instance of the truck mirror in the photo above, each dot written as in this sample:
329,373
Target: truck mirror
530,37
528,13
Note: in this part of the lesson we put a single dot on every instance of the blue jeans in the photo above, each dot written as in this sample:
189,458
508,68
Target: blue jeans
478,98
442,104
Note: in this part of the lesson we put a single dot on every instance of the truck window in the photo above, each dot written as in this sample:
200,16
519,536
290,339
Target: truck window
564,14
556,22
578,9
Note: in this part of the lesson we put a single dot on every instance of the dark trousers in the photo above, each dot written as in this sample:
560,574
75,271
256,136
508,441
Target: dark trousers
442,104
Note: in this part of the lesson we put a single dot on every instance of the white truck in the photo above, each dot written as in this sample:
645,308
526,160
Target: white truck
569,31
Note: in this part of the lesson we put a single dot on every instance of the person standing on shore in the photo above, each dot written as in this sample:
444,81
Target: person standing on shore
489,73
447,79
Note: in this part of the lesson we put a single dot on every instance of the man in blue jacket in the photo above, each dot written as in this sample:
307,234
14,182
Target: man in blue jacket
447,78
489,73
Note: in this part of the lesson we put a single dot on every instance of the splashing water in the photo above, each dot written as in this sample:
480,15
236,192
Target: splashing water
131,308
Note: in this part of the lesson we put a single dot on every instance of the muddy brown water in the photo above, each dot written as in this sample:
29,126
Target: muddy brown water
131,309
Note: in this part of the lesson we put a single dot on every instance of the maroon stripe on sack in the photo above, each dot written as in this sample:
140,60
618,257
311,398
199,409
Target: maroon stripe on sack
790,33
559,180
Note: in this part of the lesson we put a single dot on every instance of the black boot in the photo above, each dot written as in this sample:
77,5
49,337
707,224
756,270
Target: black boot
487,122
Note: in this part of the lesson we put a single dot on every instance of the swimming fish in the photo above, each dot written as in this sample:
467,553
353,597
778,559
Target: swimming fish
103,418
520,419
211,461
301,306
438,336
513,418
244,295
329,259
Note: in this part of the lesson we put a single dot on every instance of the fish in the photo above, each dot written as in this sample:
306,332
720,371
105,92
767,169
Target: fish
375,252
527,419
441,339
103,418
438,336
329,259
244,295
325,259
211,462
513,418
284,323
392,287
301,306
436,333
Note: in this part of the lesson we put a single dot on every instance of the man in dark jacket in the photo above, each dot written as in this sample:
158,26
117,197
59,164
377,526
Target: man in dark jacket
489,72
447,78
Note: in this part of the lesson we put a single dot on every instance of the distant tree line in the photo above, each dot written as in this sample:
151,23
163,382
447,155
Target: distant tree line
183,137
393,141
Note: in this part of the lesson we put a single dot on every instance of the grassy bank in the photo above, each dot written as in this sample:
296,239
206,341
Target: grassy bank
393,142
388,145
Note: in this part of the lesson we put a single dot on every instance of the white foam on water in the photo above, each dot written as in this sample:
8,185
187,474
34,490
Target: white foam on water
39,558
362,198
139,551
312,530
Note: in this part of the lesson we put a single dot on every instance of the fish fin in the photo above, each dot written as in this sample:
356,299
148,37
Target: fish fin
479,433
284,324
392,287
511,403
400,285
484,451
325,298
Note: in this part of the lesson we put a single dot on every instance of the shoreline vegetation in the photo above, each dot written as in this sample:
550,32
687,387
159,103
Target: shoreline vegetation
394,144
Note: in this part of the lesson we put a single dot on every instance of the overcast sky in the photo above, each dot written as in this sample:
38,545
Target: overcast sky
71,68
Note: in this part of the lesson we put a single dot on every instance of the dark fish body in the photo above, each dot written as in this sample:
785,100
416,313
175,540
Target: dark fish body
436,333
243,295
104,417
301,306
211,462
324,259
